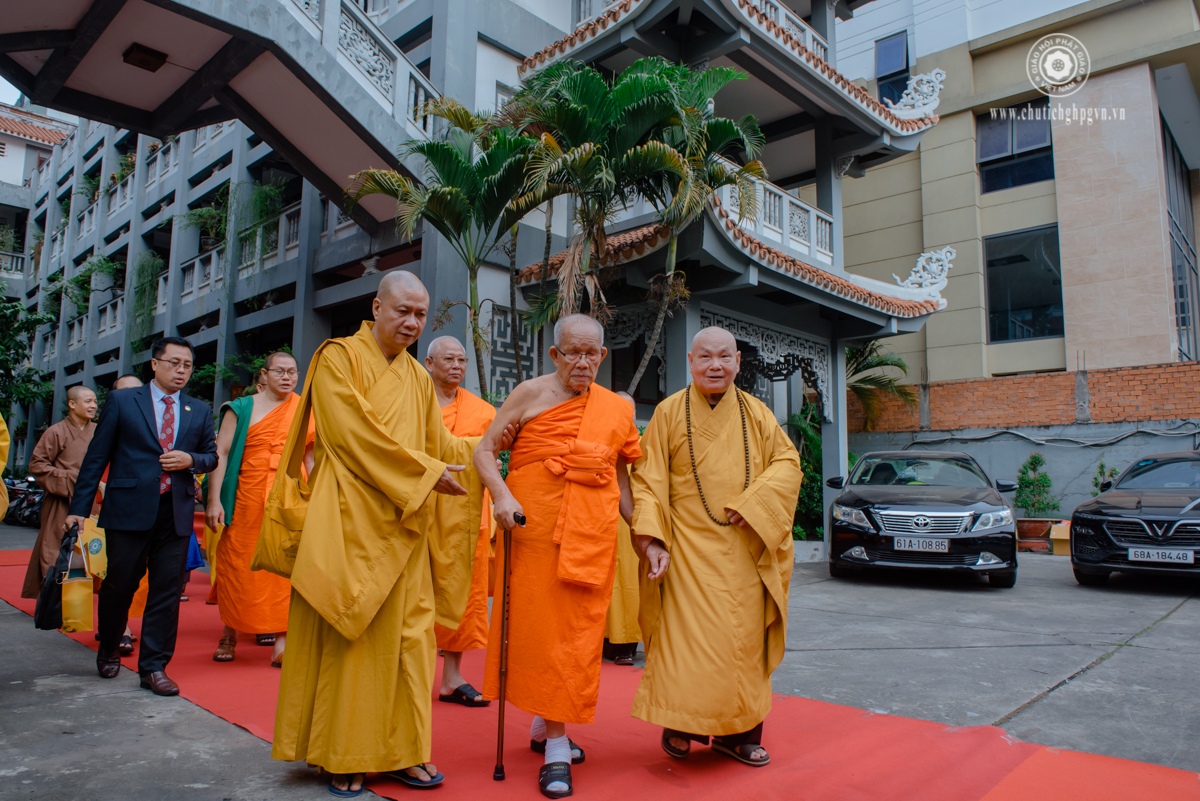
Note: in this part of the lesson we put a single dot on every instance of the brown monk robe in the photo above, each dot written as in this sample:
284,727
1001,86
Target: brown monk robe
55,464
717,486
465,415
567,477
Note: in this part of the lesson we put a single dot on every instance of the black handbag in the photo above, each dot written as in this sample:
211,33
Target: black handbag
47,615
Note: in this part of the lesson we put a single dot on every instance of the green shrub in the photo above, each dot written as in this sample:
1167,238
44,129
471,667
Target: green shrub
1033,488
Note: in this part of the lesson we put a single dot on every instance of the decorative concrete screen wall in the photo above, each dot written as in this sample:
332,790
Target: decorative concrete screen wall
1117,395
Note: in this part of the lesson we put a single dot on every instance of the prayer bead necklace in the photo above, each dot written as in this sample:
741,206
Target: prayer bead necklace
687,407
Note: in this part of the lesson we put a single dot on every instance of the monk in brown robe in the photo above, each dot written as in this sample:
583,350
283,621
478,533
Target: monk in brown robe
717,487
55,464
253,433
465,415
568,478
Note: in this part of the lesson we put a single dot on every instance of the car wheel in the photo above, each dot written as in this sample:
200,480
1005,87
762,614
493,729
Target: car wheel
1003,580
837,571
1091,579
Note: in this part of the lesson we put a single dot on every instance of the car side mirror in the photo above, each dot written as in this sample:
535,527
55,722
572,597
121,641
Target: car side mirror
1105,486
1005,486
837,482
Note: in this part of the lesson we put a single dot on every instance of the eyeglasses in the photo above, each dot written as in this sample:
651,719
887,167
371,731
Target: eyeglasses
279,372
176,363
591,356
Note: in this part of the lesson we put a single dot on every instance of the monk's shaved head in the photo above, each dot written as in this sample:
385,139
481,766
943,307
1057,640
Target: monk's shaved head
78,392
397,281
127,381
443,343
713,337
81,404
574,322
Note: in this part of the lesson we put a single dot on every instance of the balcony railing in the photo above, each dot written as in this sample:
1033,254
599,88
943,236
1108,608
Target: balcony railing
161,163
109,318
161,305
11,262
782,16
120,195
77,332
55,246
786,222
49,346
202,274
86,221
261,249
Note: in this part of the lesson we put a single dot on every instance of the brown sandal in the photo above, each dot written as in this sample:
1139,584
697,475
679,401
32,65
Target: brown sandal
742,753
225,649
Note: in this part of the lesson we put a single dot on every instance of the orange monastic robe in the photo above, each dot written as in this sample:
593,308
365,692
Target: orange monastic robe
254,602
562,470
469,416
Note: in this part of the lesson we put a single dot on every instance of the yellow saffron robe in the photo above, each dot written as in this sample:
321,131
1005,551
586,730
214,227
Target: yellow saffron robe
716,623
378,563
621,627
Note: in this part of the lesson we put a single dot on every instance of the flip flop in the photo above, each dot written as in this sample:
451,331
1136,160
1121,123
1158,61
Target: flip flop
403,777
277,663
742,753
672,750
555,772
346,793
264,639
466,695
539,747
126,646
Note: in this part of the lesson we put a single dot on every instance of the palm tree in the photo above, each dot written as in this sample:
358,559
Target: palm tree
871,386
702,137
602,143
472,196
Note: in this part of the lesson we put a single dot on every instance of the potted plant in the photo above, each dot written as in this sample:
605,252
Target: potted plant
1033,495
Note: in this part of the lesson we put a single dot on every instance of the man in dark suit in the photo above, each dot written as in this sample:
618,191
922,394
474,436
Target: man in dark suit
155,440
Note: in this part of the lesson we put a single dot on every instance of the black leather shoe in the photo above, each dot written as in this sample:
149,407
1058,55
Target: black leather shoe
159,683
108,664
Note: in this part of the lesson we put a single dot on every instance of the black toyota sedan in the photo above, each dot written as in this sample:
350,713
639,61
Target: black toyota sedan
927,509
1147,521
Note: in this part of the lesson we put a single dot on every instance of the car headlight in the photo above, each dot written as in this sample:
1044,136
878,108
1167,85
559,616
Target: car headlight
848,515
993,520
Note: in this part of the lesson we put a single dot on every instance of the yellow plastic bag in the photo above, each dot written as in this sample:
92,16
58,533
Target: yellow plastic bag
92,545
77,594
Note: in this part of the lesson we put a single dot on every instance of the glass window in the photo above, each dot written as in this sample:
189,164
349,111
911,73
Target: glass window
1013,146
918,470
1184,474
1024,285
891,55
1183,248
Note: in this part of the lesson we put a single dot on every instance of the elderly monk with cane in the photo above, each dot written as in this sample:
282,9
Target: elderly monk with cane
465,415
717,487
356,691
567,478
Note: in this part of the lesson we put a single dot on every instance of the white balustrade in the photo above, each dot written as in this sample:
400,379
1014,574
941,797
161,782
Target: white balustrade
11,262
77,332
161,163
783,16
109,318
49,346
786,222
120,195
86,221
260,249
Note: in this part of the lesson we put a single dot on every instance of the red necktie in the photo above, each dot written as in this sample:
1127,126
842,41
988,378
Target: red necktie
165,440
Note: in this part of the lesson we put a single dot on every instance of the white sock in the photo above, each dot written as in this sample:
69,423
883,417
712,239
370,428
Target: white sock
537,729
558,749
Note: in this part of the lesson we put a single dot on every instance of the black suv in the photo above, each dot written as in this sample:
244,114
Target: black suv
925,509
1147,521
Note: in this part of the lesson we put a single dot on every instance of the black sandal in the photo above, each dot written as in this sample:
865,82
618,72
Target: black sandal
672,750
539,747
264,639
126,646
742,753
466,695
555,772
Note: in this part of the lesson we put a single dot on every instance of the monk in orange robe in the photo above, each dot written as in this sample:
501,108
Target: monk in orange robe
567,477
465,415
253,433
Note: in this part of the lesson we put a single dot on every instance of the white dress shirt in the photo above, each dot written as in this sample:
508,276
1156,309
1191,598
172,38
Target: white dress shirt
156,397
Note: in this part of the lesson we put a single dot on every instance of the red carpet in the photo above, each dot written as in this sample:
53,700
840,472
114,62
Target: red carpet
818,750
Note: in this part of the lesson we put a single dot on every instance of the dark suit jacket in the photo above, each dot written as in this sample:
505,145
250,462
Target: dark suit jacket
127,439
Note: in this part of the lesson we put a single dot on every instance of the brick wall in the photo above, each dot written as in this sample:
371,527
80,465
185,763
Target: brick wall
1123,394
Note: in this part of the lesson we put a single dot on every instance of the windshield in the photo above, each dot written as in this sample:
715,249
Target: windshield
918,471
1184,474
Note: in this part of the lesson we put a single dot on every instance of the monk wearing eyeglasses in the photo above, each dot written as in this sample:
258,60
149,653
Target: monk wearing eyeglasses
252,436
567,476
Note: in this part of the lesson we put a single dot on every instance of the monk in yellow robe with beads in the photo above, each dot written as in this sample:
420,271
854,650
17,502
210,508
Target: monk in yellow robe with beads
356,691
717,488
567,477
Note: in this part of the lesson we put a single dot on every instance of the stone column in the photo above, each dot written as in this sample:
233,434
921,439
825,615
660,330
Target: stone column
835,447
309,328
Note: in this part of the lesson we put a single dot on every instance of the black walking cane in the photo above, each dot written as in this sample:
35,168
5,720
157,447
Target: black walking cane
498,773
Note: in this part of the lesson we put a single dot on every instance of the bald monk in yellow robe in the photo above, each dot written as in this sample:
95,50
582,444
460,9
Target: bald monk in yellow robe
465,415
357,685
567,477
717,487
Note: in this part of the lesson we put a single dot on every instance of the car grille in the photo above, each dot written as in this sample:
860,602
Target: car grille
1083,544
896,523
1133,532
923,558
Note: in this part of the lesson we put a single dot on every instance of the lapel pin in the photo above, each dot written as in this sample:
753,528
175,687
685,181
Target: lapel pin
187,408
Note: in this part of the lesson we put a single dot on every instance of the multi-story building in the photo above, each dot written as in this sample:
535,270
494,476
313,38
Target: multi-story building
299,94
1071,207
